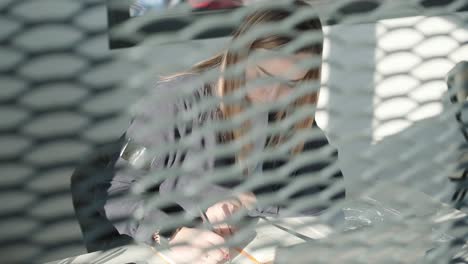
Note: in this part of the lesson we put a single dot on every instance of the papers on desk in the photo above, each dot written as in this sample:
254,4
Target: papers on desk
271,233
260,250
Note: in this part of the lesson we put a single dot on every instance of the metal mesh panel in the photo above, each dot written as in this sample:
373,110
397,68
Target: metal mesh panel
59,102
384,105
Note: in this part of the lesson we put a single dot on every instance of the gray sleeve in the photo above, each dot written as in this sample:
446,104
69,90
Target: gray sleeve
129,212
121,206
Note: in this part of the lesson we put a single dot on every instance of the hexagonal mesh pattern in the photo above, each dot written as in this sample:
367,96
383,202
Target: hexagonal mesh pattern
384,104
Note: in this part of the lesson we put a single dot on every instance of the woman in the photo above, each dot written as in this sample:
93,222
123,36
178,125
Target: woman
163,103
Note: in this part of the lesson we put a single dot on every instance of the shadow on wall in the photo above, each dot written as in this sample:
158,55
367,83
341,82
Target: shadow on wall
423,150
348,77
422,156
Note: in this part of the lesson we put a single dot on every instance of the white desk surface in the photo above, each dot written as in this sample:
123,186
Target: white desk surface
262,247
268,237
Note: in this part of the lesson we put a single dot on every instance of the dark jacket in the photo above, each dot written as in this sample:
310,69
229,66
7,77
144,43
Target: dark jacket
140,155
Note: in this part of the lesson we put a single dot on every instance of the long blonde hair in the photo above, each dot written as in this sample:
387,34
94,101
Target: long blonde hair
229,57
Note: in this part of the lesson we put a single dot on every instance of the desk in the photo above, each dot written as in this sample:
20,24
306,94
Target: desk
426,213
262,247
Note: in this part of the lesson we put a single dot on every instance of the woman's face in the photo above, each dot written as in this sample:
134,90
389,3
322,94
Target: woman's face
285,67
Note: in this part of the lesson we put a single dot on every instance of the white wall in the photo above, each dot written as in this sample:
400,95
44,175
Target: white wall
403,125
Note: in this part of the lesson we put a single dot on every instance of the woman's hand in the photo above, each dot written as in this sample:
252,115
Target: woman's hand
220,212
189,246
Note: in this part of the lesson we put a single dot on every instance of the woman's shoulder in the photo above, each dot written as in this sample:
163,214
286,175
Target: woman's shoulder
166,94
318,140
178,86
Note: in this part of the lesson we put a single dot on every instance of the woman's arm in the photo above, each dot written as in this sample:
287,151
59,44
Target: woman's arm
153,128
86,182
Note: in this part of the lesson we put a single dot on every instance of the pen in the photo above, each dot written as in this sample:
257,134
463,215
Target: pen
242,252
211,227
292,232
205,218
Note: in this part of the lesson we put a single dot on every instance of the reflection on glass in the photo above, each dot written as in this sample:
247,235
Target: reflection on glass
140,7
